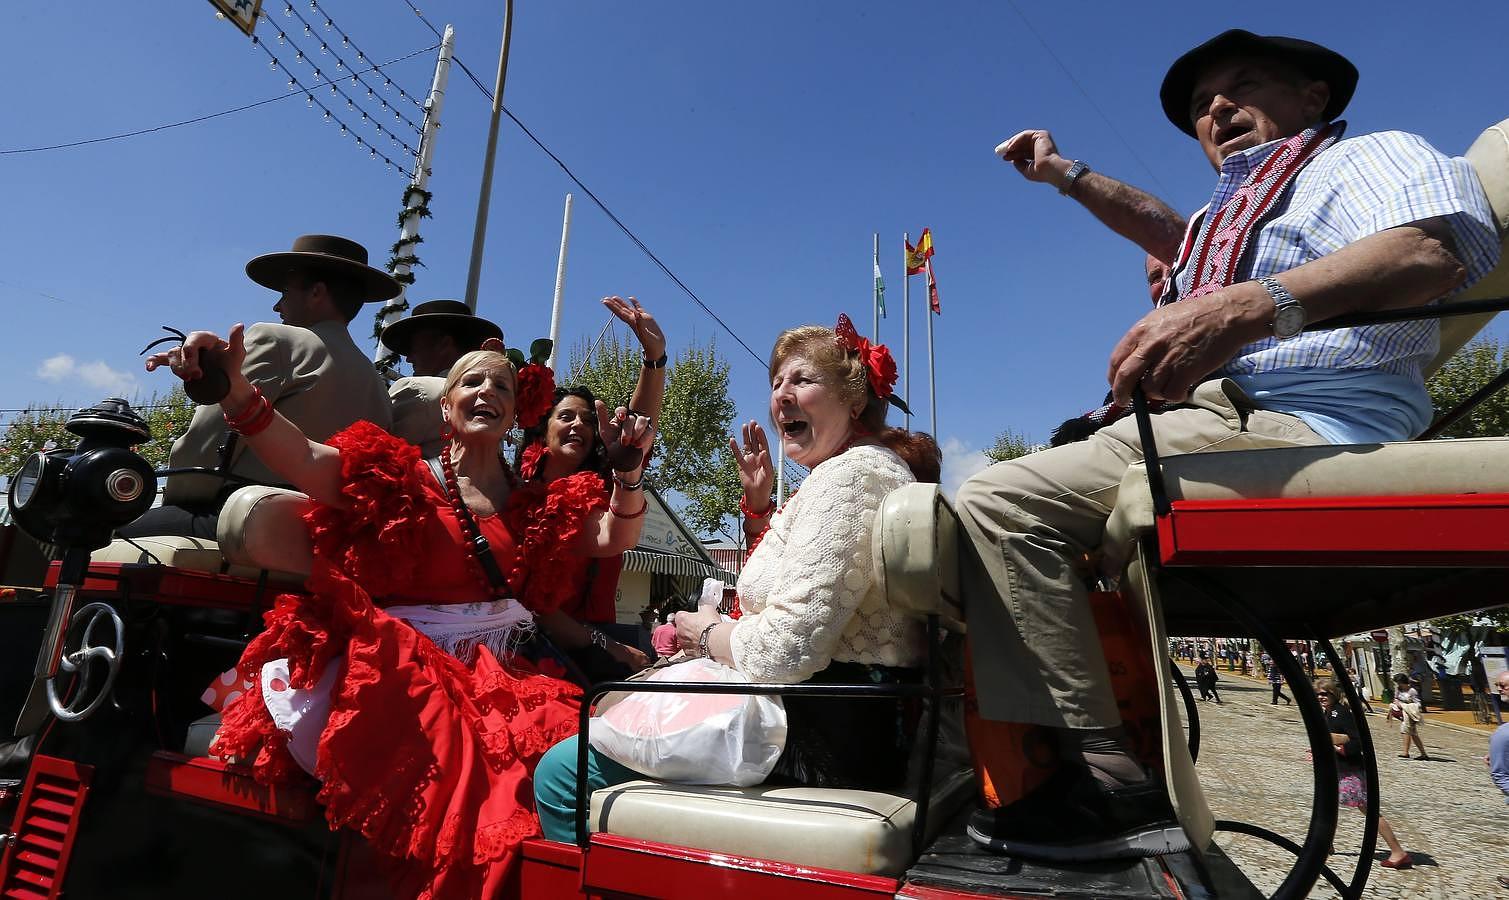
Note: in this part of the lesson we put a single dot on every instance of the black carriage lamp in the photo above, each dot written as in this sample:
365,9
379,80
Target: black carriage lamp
79,496
72,500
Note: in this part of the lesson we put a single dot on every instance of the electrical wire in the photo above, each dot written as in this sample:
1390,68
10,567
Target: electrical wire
362,57
180,124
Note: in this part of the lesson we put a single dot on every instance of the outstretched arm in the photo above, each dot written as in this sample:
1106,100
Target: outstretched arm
1130,212
312,467
613,530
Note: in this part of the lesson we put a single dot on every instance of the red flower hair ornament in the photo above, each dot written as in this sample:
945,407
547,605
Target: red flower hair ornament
536,382
880,366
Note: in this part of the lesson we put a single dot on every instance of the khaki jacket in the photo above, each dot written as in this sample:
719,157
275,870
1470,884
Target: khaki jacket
316,377
416,411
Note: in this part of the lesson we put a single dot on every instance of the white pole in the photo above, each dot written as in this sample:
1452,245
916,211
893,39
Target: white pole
906,328
479,231
560,284
874,296
780,471
413,199
932,394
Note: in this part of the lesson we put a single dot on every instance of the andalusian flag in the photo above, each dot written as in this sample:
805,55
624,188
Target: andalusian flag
879,289
932,286
917,257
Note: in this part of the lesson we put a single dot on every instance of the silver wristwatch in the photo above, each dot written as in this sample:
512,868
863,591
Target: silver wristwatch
1288,314
1076,171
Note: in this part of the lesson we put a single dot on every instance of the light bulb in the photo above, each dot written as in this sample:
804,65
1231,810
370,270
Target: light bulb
329,24
299,56
287,9
343,129
309,100
324,47
290,82
327,115
333,89
272,64
340,64
373,153
314,4
345,41
220,15
282,38
359,57
387,84
307,30
349,104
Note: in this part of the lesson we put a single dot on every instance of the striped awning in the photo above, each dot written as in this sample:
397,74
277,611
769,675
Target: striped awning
673,564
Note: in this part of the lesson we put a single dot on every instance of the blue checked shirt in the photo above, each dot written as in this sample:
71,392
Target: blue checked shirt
1355,188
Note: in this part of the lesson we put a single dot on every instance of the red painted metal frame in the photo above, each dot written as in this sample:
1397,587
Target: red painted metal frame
1426,530
617,865
174,587
31,851
217,783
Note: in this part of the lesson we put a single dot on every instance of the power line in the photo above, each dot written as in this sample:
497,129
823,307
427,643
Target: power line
179,124
633,238
1091,100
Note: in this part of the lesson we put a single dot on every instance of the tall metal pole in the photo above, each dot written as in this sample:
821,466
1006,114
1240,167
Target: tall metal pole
413,199
932,393
479,235
875,295
560,285
906,328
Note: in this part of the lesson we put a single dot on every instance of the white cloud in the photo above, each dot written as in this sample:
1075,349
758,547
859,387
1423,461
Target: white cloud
94,374
960,461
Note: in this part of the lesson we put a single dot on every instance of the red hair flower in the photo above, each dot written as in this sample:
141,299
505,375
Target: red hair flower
530,461
880,365
536,394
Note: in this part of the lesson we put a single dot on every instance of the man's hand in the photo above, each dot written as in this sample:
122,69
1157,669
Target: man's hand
1036,156
1173,348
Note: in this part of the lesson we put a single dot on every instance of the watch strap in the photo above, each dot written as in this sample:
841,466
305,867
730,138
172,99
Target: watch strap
1077,170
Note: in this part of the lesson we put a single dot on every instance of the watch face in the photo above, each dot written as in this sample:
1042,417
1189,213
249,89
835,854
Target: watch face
1288,321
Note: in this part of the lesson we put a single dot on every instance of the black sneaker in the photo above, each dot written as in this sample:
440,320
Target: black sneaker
1073,818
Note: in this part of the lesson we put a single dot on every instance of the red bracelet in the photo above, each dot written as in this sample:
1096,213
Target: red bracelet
618,515
260,424
250,411
751,514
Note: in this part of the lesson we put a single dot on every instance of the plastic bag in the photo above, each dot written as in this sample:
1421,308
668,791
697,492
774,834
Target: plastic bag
732,739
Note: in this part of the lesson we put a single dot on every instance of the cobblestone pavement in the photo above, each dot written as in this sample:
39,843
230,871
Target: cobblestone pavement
1446,811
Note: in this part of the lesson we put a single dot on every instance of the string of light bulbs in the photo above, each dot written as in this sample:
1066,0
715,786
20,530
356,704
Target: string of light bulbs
289,10
360,56
309,100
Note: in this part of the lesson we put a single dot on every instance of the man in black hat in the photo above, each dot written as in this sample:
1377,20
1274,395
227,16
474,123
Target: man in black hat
309,367
431,338
1301,227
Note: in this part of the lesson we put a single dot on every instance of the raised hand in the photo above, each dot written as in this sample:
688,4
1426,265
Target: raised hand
756,473
645,328
186,359
1035,155
626,437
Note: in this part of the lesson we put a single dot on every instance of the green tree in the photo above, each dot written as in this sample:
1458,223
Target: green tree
691,446
1010,445
37,427
1472,367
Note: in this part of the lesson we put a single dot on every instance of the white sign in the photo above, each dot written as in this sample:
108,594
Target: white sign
243,13
1494,662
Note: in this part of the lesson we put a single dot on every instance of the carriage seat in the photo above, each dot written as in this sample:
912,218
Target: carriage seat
915,547
260,529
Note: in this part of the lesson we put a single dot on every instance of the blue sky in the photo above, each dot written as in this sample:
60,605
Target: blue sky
754,147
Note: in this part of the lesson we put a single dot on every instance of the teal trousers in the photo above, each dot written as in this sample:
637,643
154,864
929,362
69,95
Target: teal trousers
555,786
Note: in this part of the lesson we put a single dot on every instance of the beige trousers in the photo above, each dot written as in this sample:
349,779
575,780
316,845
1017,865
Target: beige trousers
1034,645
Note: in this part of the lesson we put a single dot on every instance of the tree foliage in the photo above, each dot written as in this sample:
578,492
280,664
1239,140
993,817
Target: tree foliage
691,445
1010,445
1471,368
40,427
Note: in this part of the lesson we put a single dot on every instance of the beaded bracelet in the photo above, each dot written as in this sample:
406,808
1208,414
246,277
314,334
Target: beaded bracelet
751,514
248,412
618,515
254,419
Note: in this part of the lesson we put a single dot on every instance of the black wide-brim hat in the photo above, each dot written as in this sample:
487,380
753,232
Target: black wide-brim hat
451,315
328,252
1320,63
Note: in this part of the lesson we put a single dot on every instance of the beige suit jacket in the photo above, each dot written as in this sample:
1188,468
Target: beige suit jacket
316,377
416,411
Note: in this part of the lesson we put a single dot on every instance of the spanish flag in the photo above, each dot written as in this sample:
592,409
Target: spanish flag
917,257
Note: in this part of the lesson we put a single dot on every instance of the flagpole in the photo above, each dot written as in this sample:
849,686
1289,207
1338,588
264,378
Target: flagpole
875,295
906,328
932,395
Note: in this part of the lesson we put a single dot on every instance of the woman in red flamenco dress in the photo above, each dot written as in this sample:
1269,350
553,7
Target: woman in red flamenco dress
395,680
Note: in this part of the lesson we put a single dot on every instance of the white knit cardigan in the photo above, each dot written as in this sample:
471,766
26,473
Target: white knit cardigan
808,592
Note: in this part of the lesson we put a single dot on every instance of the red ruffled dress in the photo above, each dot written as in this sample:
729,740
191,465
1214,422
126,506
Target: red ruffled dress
430,759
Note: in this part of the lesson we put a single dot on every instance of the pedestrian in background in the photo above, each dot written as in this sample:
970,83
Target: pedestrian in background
1205,678
1276,681
1407,709
1350,783
1498,751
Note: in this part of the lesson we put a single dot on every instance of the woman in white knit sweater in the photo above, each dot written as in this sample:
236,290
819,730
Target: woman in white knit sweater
812,610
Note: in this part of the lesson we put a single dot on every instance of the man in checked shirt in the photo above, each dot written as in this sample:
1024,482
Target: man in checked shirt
1301,226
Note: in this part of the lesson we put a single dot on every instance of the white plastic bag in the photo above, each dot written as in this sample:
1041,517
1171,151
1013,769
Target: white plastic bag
730,739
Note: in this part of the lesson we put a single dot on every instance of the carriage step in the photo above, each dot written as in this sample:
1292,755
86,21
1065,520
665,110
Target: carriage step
36,858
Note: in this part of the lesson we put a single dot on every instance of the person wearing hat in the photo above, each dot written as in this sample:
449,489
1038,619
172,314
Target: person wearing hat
308,367
1315,226
431,338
